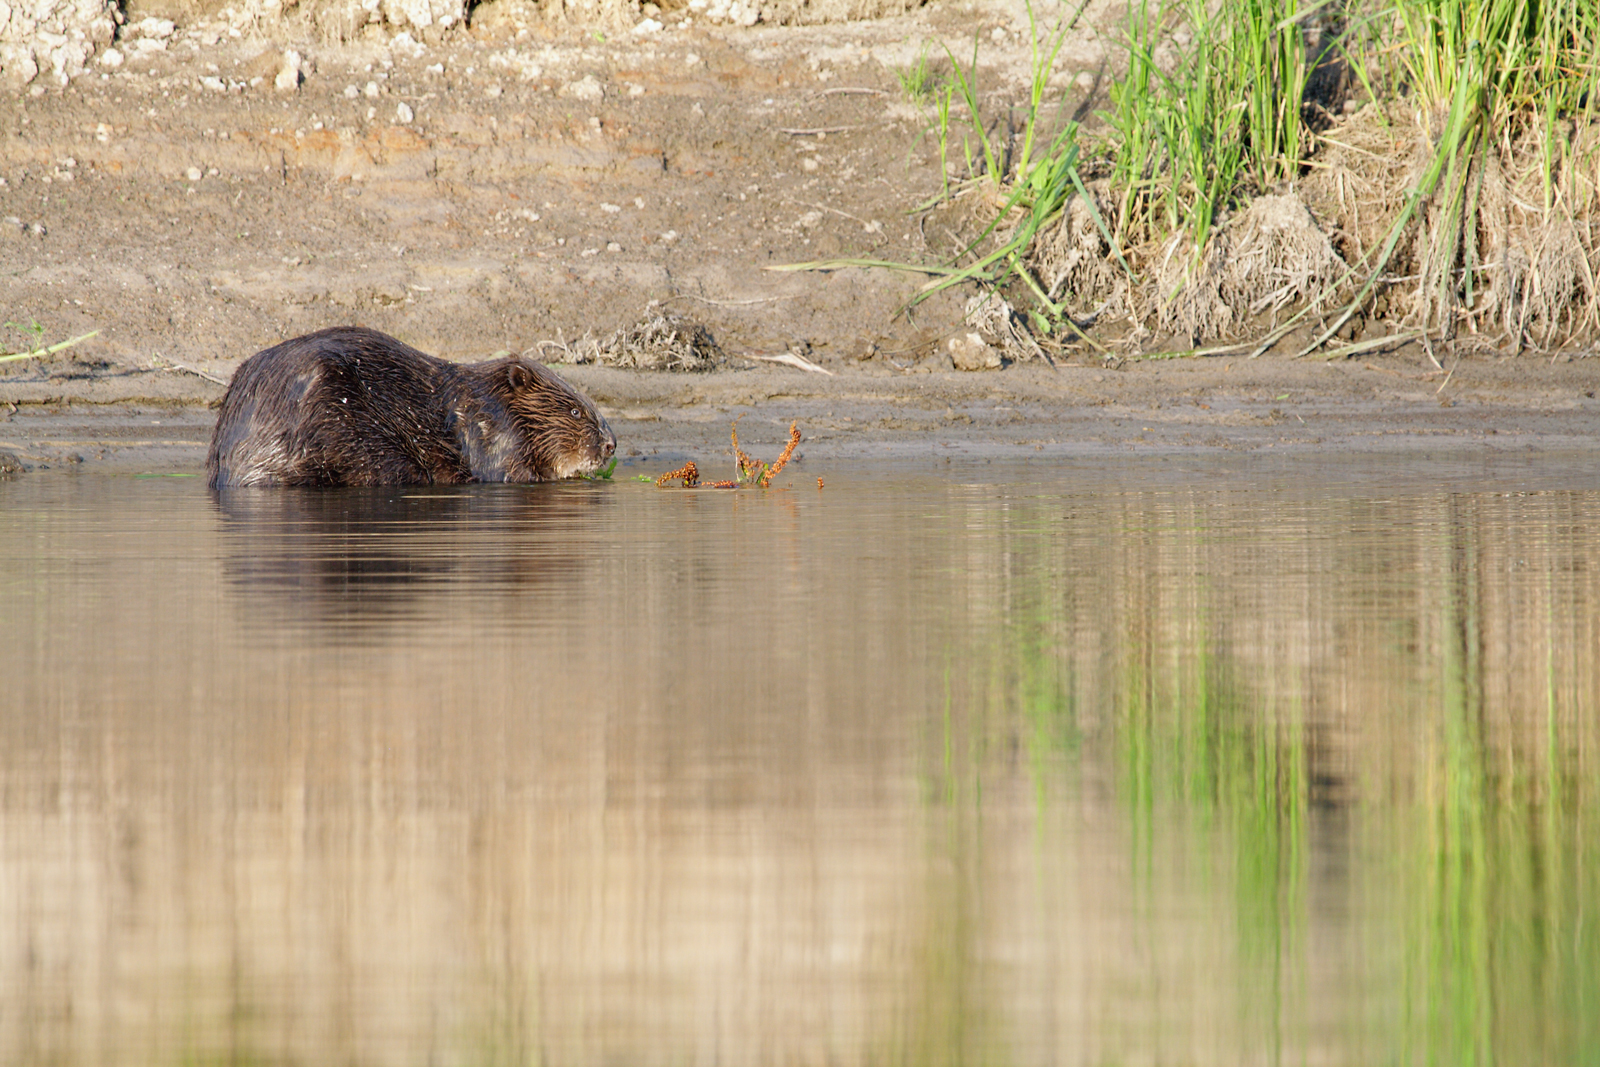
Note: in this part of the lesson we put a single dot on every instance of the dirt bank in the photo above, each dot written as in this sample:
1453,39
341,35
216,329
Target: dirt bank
504,189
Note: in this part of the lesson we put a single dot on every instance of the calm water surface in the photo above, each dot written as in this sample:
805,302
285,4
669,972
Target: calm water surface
1053,763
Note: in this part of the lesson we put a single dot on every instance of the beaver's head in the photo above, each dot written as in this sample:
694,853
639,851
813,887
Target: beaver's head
562,432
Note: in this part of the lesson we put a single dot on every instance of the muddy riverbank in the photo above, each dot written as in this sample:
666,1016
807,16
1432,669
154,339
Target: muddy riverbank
1166,408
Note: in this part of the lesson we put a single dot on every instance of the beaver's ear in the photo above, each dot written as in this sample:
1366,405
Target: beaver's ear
518,376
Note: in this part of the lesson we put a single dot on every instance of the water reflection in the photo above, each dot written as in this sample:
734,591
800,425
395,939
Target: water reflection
353,562
1030,764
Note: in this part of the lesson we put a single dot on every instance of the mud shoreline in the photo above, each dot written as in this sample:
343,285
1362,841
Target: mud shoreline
1177,407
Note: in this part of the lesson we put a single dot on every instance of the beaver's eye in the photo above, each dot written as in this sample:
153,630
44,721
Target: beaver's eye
576,414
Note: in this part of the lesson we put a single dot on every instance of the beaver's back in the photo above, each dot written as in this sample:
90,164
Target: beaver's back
343,406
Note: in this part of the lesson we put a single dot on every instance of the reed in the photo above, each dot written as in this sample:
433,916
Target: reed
1492,225
1501,90
1193,126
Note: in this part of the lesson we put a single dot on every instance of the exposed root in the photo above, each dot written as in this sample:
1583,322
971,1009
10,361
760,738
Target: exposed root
993,316
1535,280
657,342
1073,262
1513,258
1262,260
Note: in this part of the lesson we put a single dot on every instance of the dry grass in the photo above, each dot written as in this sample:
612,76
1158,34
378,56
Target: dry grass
1259,261
1509,272
659,341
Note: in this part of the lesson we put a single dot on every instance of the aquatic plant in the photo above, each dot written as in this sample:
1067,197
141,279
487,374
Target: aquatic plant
604,473
688,472
749,471
788,450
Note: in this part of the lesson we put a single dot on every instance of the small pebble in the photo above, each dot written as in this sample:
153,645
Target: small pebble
404,113
194,174
288,78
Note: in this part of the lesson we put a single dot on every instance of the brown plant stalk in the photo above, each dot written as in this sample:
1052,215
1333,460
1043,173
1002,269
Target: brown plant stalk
688,472
788,450
748,467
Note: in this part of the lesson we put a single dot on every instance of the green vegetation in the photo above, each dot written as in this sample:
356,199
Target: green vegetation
1504,89
1218,118
917,80
1463,191
604,473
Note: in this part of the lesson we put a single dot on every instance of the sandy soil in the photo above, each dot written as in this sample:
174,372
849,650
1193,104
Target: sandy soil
488,192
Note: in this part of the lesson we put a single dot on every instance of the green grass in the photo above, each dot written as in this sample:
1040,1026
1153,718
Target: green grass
1220,120
1189,135
1488,74
1209,112
918,81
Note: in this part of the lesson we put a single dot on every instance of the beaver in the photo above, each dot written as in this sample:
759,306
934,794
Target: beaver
352,406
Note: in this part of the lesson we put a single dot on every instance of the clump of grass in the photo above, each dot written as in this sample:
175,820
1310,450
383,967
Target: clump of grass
1195,125
1503,91
918,80
1492,226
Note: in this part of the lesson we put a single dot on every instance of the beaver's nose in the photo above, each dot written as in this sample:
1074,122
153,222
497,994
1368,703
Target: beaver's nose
608,445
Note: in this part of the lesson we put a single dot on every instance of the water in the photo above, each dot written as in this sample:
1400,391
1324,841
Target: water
1010,763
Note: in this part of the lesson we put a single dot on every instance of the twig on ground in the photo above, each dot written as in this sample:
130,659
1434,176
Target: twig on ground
728,303
816,131
49,350
792,360
173,364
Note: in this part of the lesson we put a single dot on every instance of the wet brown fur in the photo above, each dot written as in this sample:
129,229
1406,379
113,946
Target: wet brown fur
352,406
